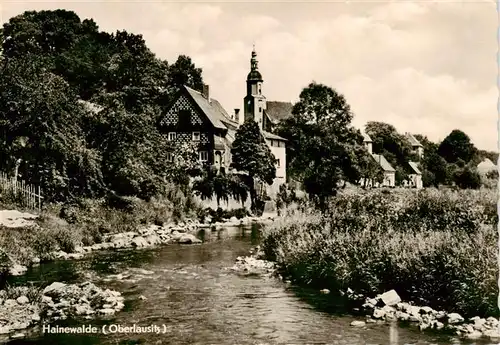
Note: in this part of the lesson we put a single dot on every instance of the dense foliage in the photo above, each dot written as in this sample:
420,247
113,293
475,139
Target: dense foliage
51,60
434,247
323,148
252,156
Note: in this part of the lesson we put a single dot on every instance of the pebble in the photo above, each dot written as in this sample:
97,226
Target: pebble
17,336
358,323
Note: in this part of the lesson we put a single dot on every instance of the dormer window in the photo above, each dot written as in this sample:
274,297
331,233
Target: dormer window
196,136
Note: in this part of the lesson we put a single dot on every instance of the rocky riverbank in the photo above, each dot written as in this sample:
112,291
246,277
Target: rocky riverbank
150,236
388,307
23,307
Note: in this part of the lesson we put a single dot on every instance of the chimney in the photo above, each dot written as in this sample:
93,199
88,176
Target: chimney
237,115
206,92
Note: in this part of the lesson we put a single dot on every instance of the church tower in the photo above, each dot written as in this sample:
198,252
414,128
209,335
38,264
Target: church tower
254,101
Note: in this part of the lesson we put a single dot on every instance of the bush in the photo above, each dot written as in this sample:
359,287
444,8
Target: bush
467,178
435,248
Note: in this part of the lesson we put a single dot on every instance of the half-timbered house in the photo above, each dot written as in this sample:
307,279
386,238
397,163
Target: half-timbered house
194,116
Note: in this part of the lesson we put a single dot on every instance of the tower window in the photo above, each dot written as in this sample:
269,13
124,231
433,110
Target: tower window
260,91
260,109
171,136
196,136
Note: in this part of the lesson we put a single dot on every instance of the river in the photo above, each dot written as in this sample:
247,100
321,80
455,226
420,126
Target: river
190,292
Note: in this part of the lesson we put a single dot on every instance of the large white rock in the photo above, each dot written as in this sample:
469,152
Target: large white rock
22,300
55,287
454,318
188,239
17,270
390,298
139,242
474,335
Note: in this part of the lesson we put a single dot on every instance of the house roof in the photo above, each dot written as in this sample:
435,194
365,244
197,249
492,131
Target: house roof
219,117
486,165
277,111
366,138
225,118
384,164
272,136
414,166
211,109
413,140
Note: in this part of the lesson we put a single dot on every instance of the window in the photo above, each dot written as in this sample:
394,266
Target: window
170,157
185,118
203,156
278,163
196,136
271,142
171,136
260,109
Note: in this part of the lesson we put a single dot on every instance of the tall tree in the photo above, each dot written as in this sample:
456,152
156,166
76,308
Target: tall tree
250,154
435,168
40,32
321,141
39,107
457,145
184,72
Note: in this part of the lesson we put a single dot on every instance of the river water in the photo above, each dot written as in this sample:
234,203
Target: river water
190,292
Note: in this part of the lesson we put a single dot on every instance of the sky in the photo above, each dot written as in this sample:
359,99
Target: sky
425,67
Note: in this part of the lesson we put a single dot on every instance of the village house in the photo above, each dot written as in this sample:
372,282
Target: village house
486,166
388,171
194,116
414,177
417,147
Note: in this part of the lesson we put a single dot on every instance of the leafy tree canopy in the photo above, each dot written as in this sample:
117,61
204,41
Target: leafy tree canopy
322,145
250,154
50,61
457,146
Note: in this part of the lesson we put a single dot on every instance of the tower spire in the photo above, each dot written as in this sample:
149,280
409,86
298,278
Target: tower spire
253,60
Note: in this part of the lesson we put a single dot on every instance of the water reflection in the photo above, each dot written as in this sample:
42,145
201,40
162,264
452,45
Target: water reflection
393,334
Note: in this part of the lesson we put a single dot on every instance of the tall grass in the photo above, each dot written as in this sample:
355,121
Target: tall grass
86,222
434,247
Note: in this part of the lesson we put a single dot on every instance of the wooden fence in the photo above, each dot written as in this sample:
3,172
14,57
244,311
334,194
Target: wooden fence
27,195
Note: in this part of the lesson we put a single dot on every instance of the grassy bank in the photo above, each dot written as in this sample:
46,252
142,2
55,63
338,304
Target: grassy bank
85,222
434,247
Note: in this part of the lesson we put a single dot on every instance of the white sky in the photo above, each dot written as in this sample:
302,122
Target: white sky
422,66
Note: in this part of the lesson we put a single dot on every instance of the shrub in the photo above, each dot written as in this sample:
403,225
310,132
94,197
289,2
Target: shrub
435,247
467,178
